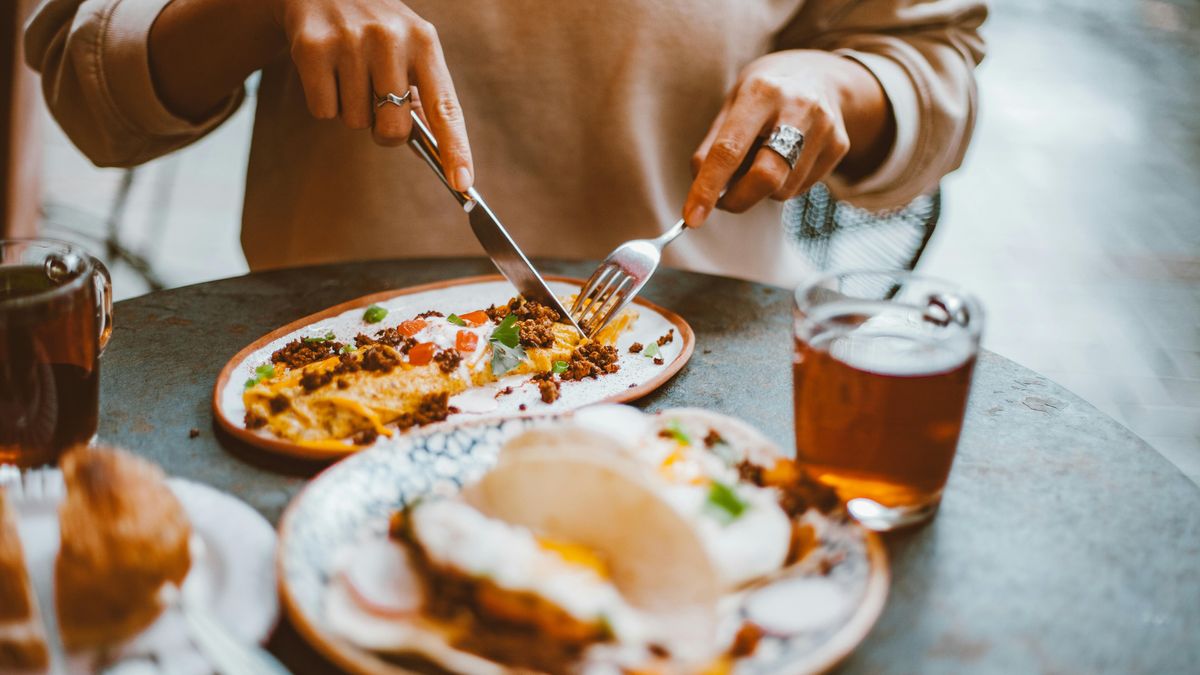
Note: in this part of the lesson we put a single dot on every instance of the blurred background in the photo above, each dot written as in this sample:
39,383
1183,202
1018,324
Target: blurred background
1076,217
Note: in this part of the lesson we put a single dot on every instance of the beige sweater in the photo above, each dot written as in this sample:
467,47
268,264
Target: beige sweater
583,117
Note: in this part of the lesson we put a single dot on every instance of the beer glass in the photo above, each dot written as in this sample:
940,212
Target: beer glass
55,320
881,370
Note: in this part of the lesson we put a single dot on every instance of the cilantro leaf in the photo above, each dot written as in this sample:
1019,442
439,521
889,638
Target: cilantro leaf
505,358
675,431
651,350
320,338
507,352
374,314
507,333
456,320
560,367
261,373
346,349
725,504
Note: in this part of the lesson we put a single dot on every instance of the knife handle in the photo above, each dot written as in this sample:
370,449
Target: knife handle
422,143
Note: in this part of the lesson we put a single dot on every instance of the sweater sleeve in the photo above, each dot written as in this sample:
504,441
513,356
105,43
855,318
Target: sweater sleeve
923,53
93,56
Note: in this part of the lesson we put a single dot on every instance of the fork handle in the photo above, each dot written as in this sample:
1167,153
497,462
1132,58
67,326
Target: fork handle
670,235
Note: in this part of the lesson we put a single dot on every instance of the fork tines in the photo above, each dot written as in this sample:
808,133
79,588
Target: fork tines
605,294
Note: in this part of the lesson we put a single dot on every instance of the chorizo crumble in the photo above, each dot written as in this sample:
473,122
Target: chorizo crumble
536,332
391,337
591,360
299,353
448,360
432,312
525,311
548,386
798,490
635,348
666,339
365,437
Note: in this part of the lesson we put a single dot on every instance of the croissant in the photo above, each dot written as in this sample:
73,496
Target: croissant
124,536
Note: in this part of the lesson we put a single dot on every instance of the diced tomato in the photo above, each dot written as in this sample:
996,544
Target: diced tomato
411,327
421,354
466,341
476,318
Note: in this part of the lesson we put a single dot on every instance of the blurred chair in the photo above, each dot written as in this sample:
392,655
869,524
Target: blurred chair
65,219
838,236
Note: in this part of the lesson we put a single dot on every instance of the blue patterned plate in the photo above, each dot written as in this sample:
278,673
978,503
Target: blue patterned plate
352,500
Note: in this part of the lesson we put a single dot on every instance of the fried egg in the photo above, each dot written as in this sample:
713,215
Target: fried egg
558,586
742,525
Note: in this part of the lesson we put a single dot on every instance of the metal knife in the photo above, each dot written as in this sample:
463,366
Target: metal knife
496,240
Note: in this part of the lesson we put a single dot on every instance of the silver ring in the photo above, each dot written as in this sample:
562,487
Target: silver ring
393,99
787,141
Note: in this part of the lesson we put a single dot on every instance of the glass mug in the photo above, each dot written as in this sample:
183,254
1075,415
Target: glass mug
55,320
882,367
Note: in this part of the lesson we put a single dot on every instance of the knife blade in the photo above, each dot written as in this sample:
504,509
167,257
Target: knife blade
506,255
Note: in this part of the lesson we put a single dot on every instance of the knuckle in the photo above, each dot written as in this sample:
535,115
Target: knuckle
382,32
424,32
726,151
447,108
841,142
311,46
391,134
697,162
764,86
735,205
763,176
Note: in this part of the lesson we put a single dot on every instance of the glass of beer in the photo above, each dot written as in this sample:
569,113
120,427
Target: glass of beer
882,366
55,320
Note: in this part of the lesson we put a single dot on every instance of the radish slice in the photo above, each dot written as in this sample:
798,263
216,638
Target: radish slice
382,580
796,605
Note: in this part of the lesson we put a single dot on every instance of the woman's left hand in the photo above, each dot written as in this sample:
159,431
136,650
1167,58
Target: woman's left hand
834,101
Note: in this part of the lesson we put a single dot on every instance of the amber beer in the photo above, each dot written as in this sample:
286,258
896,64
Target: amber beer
880,389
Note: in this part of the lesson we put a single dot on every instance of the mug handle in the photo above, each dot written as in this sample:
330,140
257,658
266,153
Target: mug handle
104,295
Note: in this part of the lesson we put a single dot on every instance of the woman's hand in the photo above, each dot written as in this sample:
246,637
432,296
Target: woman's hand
349,51
835,102
345,51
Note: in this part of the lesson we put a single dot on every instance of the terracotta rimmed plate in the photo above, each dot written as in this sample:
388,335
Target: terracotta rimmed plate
352,500
638,375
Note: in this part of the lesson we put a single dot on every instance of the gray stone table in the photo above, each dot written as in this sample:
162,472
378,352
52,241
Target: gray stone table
1064,544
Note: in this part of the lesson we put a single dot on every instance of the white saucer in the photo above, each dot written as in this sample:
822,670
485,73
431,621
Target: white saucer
235,573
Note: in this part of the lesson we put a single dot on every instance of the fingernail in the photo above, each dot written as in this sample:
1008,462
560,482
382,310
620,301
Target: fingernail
462,179
696,215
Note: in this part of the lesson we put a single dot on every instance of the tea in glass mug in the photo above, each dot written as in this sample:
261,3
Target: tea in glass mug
55,320
882,368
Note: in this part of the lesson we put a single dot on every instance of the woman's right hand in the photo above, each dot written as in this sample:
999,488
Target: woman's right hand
348,51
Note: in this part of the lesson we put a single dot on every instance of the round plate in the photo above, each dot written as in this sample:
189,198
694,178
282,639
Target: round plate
638,375
352,500
234,572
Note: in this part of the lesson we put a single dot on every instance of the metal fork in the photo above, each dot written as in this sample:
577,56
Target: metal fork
618,280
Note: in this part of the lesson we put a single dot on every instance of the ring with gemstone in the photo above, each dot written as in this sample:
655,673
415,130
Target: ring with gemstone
787,141
393,99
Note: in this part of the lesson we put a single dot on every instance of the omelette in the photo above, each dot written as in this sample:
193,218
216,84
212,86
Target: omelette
322,391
